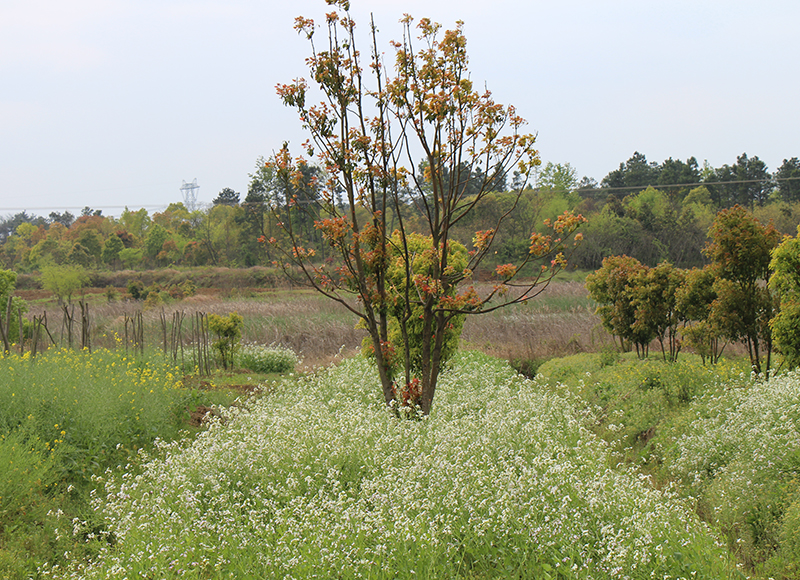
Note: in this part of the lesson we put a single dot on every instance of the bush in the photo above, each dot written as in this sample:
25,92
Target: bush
267,359
137,290
228,330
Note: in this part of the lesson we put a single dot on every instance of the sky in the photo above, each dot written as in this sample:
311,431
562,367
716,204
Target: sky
115,103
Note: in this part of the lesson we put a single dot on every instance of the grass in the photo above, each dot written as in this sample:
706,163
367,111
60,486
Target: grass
729,441
636,410
305,322
65,417
319,480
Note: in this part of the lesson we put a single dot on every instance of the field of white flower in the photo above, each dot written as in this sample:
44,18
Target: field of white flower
317,479
737,450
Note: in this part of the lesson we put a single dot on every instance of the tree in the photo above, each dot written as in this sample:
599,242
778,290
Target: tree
64,281
740,250
750,183
677,172
156,236
635,172
362,134
66,219
613,288
694,300
111,250
226,197
656,306
788,179
785,281
10,308
228,330
558,176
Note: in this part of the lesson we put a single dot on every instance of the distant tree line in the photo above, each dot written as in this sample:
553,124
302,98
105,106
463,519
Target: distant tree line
652,212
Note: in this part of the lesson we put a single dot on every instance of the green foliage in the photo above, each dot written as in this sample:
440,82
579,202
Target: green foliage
631,401
137,290
112,249
736,450
266,359
612,287
740,246
65,417
153,244
785,281
8,282
30,469
424,258
131,257
730,438
64,281
654,298
228,330
10,313
739,250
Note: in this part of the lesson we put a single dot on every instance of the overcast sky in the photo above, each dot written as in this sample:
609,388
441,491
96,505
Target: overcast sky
113,103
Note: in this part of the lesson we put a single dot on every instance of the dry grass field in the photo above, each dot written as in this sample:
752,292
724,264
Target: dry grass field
559,321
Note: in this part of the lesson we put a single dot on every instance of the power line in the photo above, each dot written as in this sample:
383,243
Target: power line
75,207
694,184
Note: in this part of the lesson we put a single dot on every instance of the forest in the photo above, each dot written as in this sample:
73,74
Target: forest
650,211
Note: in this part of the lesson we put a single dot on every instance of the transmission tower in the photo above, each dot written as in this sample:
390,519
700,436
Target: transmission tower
189,191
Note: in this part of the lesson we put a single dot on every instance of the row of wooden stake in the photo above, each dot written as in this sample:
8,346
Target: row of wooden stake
180,342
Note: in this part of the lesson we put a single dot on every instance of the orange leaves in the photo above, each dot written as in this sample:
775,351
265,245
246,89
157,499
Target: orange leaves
305,25
564,225
566,222
343,4
482,239
505,271
300,253
540,244
426,285
293,95
469,300
334,230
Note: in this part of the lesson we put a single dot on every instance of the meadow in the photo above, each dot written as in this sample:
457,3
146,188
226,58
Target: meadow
319,480
597,467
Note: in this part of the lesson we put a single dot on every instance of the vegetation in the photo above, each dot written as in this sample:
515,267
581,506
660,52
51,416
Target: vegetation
65,417
598,468
228,330
727,437
363,132
266,359
501,480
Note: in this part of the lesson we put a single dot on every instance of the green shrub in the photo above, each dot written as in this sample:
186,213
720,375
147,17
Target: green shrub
228,330
137,290
267,359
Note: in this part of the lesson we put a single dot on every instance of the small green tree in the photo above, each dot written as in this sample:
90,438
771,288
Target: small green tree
694,299
654,298
229,331
10,309
112,249
64,281
785,281
739,250
612,286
